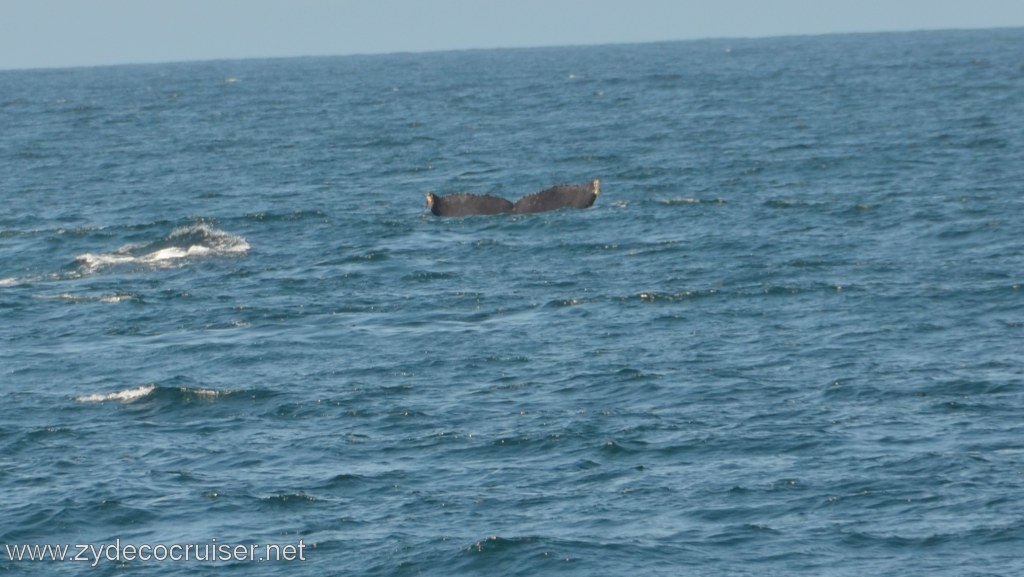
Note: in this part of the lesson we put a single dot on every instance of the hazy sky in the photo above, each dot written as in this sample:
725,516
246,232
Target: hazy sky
48,33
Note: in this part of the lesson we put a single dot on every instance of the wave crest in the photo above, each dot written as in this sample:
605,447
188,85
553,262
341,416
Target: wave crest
124,395
196,241
133,394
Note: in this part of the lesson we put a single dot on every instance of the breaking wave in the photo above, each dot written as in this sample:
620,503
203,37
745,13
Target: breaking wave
124,395
130,395
187,242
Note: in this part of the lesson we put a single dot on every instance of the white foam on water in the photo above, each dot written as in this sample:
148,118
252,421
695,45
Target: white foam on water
164,254
206,393
124,396
91,262
117,298
112,298
187,242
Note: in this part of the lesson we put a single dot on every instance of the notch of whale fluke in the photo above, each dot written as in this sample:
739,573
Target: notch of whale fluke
559,196
462,204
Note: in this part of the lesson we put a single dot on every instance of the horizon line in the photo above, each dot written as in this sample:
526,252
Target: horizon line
157,62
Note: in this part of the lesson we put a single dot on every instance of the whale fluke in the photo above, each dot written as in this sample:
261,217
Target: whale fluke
554,198
559,196
462,204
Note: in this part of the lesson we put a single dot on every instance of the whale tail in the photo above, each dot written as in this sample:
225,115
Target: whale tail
560,196
554,198
462,204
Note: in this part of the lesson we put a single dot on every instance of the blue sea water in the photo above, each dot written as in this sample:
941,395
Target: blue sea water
786,340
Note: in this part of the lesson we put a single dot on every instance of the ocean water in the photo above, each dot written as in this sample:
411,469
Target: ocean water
786,340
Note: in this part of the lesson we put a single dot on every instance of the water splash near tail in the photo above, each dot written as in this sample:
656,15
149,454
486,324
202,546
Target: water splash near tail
183,243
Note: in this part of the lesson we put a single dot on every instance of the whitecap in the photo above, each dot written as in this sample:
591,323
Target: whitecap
204,240
679,200
90,261
124,396
69,297
207,393
164,254
187,242
112,298
684,200
118,298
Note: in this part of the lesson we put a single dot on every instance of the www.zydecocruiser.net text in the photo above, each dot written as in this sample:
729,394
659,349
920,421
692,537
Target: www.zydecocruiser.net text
210,552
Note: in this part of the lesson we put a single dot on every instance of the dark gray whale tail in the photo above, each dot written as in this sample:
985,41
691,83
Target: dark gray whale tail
462,204
559,196
554,198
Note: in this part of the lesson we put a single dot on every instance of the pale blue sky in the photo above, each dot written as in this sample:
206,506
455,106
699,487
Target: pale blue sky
49,33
